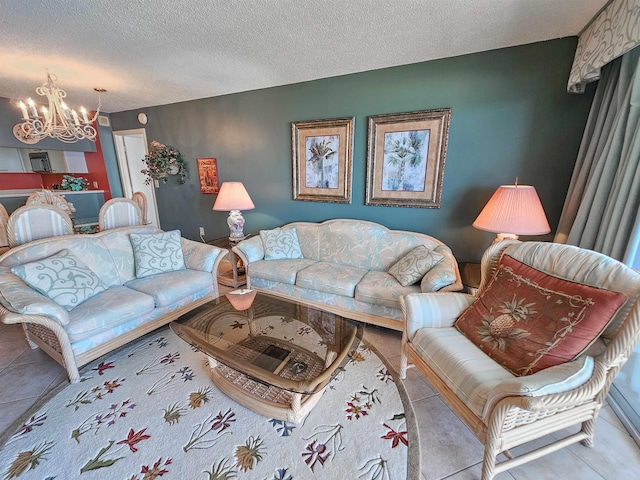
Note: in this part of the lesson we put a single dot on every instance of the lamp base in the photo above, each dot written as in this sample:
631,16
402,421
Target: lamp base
236,226
505,236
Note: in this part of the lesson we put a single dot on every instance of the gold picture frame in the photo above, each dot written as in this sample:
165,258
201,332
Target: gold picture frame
208,175
405,158
322,153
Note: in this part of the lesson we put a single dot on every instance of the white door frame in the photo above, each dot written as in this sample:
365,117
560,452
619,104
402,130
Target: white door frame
127,169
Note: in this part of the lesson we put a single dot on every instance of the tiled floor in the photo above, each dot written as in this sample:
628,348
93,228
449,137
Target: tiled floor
449,449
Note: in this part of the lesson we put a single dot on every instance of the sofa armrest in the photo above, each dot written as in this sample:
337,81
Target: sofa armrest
250,250
201,256
553,380
20,299
432,310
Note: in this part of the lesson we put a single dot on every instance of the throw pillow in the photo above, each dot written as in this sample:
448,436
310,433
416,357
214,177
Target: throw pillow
62,277
438,278
281,244
412,267
528,320
157,252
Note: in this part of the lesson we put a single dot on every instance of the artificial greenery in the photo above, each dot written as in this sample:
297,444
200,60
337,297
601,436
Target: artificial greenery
162,161
74,183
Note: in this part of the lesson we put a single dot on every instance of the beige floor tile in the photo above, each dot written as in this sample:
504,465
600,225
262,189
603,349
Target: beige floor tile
615,454
11,411
447,445
10,351
474,472
417,387
607,414
386,341
26,381
11,333
563,463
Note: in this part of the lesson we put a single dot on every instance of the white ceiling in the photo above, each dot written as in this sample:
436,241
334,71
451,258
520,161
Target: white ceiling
154,52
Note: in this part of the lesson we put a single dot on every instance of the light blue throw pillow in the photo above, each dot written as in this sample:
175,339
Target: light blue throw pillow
62,277
281,244
157,252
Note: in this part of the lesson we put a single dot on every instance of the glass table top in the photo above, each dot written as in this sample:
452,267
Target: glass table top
274,341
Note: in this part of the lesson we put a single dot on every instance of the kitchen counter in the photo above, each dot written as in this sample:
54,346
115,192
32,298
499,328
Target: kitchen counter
29,191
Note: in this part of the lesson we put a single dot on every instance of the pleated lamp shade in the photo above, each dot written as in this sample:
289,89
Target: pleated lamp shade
233,196
513,210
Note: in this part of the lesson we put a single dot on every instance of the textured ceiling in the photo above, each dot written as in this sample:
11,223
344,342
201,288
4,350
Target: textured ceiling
156,52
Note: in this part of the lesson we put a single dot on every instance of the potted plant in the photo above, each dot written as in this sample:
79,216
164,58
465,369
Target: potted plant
162,161
74,183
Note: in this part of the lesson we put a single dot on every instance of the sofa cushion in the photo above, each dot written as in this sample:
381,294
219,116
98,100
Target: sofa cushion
114,306
157,252
62,277
166,288
381,288
466,369
412,267
528,320
280,244
284,271
331,278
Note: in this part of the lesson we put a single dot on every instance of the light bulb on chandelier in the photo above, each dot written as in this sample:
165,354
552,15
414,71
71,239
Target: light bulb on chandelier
58,120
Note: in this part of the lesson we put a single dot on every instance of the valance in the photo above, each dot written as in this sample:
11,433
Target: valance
614,32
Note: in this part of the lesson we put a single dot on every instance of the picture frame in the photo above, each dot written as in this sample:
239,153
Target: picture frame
208,175
322,152
405,158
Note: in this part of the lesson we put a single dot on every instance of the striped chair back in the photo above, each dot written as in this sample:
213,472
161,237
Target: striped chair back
33,222
119,212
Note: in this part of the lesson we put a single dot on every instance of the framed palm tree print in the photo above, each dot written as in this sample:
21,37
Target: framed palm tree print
405,158
322,165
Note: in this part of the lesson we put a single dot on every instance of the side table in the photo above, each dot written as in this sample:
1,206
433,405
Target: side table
231,272
471,276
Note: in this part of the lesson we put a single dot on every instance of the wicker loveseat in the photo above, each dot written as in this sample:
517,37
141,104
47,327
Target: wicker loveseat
128,308
343,268
504,409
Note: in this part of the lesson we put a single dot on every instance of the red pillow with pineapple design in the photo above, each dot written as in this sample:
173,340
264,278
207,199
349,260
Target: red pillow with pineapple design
528,320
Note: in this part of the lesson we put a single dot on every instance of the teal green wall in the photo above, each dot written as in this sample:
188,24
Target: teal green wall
511,117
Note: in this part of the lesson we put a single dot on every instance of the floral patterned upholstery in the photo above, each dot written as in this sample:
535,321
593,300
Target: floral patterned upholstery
127,305
345,265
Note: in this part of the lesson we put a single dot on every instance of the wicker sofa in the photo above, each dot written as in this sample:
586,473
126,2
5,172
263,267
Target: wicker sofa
344,269
129,307
506,409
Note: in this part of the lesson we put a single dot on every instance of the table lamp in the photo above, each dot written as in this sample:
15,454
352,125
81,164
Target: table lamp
233,197
513,210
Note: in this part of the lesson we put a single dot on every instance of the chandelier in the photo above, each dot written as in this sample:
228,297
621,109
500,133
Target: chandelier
57,120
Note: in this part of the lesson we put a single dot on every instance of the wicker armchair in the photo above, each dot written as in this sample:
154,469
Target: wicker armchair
4,220
47,197
502,409
141,199
33,222
119,212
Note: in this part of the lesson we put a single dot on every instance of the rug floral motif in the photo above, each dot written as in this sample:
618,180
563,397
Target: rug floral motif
149,411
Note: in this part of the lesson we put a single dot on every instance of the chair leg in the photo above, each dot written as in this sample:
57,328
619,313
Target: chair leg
403,365
588,427
489,460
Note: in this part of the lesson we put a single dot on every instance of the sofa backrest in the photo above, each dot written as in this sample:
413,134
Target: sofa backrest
108,254
357,243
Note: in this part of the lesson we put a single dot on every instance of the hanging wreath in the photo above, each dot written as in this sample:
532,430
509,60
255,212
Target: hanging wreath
162,161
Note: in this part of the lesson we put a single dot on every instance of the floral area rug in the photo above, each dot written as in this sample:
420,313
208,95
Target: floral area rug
149,410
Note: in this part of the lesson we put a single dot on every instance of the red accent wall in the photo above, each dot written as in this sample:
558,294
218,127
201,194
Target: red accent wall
95,166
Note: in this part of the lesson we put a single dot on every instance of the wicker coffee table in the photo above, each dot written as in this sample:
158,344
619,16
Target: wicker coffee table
276,357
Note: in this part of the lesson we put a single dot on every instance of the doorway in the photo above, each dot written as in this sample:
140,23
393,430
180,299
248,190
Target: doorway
131,147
